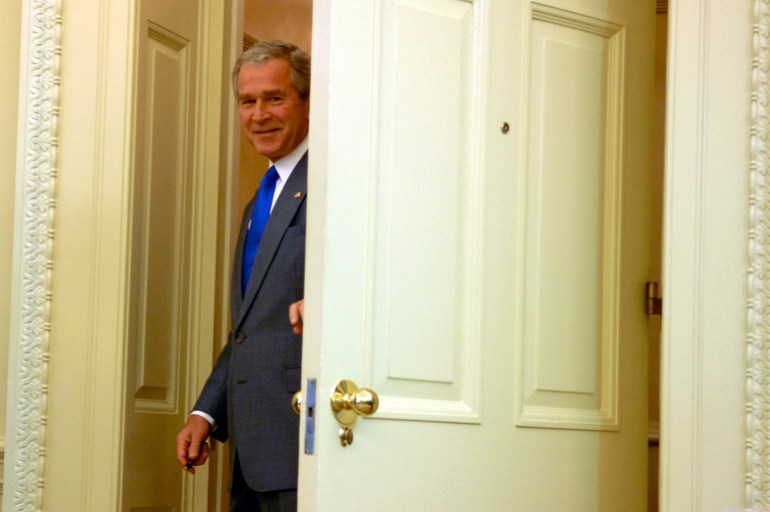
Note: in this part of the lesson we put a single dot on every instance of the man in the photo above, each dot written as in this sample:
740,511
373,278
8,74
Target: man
247,398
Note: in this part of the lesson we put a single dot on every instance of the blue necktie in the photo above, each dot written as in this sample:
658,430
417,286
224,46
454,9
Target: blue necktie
259,218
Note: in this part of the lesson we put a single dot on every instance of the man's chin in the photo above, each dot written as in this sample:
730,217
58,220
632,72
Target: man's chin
264,149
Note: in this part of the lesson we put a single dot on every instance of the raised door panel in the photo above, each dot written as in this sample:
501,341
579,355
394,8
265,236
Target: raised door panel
424,229
161,196
572,245
165,195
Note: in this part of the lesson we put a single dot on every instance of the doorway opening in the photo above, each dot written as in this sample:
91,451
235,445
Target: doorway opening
292,20
288,20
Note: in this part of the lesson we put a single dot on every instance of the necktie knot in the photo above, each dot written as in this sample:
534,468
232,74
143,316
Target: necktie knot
259,217
269,179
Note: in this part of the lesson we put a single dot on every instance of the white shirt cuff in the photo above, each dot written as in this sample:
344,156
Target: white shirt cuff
206,417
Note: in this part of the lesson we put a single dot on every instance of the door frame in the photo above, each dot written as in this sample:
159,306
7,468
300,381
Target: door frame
757,352
706,257
688,462
34,184
80,403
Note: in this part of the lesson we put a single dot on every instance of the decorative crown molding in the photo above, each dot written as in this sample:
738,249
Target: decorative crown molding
36,176
758,341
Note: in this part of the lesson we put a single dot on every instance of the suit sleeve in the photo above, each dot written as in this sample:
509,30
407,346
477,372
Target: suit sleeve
213,397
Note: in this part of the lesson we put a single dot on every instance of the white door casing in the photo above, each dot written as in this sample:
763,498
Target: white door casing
33,237
69,342
757,353
711,244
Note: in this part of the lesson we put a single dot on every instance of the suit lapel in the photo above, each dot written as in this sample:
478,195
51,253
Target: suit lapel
236,294
291,198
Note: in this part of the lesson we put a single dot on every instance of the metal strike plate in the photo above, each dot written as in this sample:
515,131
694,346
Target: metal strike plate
310,417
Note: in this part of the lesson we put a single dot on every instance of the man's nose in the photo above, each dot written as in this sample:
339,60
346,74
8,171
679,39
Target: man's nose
260,110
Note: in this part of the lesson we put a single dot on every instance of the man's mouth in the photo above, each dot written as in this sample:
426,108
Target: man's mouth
266,131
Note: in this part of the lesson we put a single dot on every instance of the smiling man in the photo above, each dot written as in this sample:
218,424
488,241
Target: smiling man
247,398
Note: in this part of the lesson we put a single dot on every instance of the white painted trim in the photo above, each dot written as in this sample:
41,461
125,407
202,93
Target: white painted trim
757,347
32,266
705,258
682,259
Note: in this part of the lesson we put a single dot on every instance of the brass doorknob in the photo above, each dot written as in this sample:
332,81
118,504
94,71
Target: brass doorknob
296,402
348,403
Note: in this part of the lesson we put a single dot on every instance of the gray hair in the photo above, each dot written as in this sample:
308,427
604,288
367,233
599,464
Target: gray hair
262,51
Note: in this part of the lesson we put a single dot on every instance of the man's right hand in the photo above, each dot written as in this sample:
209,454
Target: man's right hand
191,446
296,316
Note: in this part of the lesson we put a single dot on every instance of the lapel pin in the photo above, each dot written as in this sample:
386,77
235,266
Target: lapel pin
297,195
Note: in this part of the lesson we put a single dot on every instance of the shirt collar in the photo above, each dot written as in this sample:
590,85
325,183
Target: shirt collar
284,166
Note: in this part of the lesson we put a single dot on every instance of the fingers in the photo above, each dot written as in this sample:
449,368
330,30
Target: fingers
191,447
199,460
183,441
296,314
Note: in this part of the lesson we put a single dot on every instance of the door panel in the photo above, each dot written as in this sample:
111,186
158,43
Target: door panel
160,313
477,253
160,193
426,369
573,222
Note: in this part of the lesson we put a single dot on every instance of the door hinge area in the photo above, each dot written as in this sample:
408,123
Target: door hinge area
653,303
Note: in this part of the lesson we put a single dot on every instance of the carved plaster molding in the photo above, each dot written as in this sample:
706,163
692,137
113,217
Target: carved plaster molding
36,177
758,340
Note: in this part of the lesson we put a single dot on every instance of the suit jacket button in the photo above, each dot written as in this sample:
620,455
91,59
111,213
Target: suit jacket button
240,338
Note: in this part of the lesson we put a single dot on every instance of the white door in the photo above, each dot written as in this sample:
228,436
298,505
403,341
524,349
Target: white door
477,252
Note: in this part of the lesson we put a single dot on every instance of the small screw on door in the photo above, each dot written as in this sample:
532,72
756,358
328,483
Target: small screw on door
504,127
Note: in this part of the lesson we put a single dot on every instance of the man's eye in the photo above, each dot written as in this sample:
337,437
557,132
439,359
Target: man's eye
247,102
275,100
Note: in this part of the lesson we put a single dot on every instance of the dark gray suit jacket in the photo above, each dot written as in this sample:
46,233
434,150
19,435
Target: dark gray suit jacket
250,389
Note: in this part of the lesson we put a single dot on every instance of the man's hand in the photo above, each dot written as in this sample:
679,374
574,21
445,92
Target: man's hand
296,312
191,446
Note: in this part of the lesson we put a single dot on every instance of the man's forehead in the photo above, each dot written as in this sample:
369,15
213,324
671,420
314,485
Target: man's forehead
271,72
272,89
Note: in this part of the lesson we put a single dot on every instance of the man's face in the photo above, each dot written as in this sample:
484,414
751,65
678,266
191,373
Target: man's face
273,116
